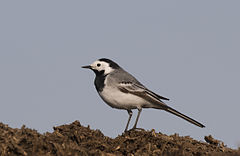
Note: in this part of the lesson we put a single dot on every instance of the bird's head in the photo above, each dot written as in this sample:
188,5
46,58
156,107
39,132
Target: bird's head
103,66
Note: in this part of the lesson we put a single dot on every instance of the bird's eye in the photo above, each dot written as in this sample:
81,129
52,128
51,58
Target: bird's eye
98,64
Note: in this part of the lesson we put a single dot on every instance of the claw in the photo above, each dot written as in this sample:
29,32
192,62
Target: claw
138,129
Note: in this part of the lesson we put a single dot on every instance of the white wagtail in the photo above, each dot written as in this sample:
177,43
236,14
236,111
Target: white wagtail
121,90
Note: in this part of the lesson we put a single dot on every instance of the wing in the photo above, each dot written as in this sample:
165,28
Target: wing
151,93
140,90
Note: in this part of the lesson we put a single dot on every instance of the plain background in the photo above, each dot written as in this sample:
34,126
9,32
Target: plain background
188,51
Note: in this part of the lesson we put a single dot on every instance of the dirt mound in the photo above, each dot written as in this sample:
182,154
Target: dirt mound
74,139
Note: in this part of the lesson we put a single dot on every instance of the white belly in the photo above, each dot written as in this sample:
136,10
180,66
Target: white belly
117,99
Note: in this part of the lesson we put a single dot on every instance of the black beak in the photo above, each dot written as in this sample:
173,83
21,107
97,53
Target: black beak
89,67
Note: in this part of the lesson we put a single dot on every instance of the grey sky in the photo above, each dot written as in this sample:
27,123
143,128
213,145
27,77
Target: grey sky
188,51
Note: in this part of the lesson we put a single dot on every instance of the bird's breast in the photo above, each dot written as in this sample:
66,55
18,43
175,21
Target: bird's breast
118,99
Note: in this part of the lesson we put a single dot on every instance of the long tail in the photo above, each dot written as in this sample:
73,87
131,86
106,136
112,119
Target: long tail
175,112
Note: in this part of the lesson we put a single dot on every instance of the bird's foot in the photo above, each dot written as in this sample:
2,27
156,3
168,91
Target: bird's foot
128,132
136,129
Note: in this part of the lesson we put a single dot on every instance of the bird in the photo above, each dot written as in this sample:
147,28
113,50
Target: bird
120,90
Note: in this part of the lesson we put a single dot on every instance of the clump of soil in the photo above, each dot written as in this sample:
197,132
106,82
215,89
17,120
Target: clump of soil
75,139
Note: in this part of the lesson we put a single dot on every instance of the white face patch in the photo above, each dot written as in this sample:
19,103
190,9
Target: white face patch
100,65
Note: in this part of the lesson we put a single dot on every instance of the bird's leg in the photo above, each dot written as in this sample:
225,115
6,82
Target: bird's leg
135,125
130,116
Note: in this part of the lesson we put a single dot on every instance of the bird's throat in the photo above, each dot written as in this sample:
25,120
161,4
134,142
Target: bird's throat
99,80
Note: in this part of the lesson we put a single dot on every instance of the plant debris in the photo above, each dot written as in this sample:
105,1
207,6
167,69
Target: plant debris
74,140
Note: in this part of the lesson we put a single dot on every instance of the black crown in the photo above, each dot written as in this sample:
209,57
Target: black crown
111,63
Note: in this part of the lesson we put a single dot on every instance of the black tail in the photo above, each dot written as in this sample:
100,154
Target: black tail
175,112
